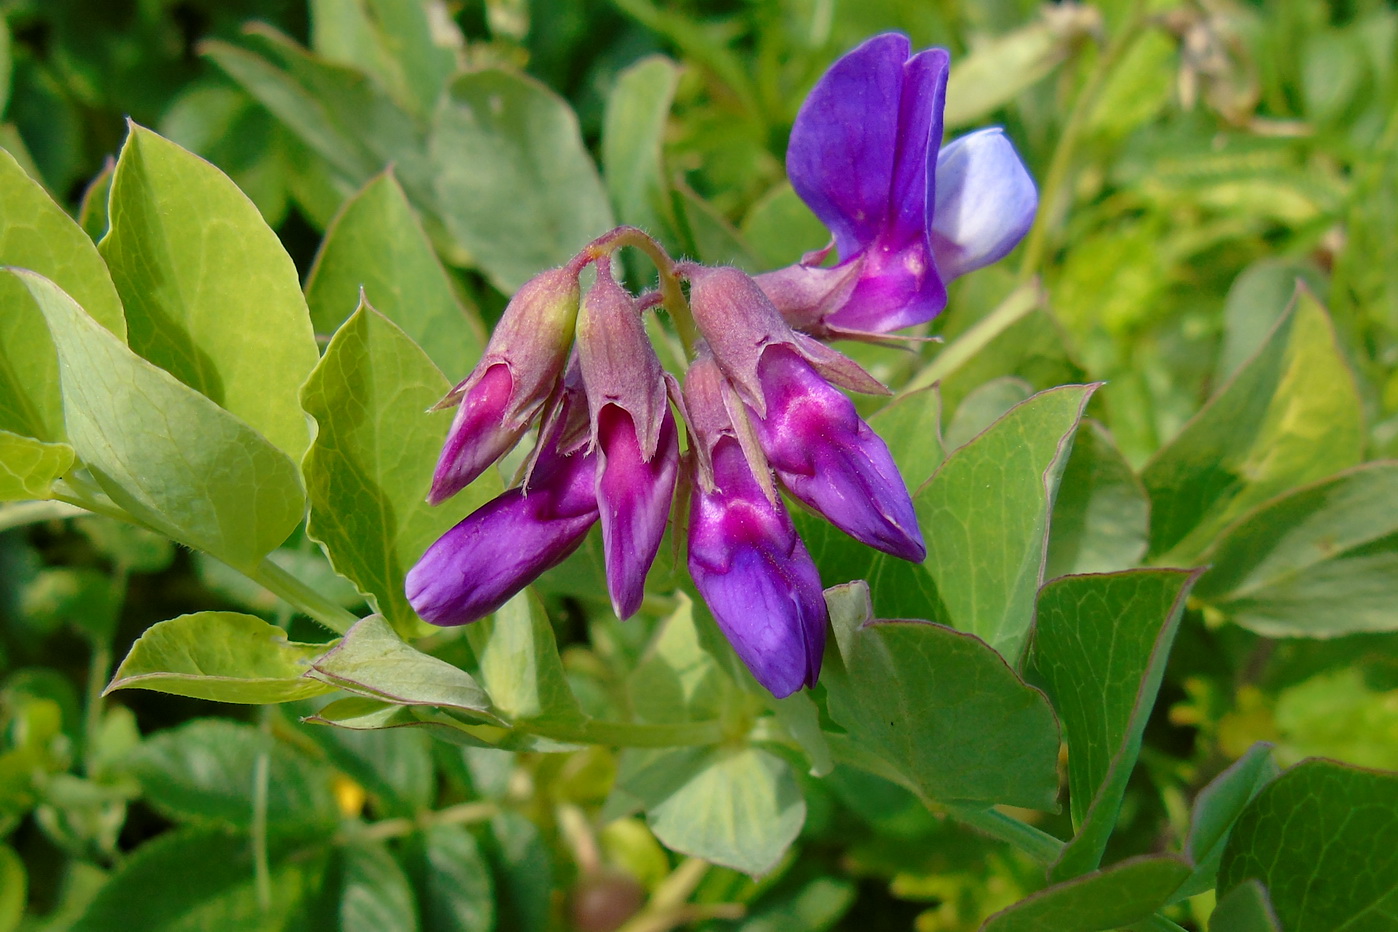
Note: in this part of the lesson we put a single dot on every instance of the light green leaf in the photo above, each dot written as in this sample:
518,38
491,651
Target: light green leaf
454,887
1120,895
1101,645
373,661
222,656
204,771
28,467
368,469
781,229
985,517
714,240
1216,808
1256,299
374,894
14,879
36,234
984,405
92,210
911,425
1321,561
520,665
164,452
1102,515
197,879
678,680
1246,908
514,184
376,244
942,708
739,807
1337,714
632,133
211,296
1320,839
1289,416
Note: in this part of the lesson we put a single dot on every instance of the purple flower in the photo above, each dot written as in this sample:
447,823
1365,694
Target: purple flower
864,156
831,460
517,373
501,547
634,432
744,555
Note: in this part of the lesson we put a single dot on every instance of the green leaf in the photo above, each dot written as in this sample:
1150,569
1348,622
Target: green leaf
211,296
368,469
514,184
1101,517
519,663
984,405
1256,299
632,133
1216,808
985,517
1120,895
206,771
36,234
373,892
523,874
998,70
1320,839
1101,646
395,766
1337,714
164,452
373,661
376,244
14,879
195,880
28,467
1246,908
409,47
222,656
452,879
1321,561
1291,415
714,240
678,680
946,711
911,425
781,229
739,807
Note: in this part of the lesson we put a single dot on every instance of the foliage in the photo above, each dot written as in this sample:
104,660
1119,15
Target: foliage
1150,454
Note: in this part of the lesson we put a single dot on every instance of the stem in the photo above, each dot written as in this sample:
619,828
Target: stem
671,294
1018,305
21,513
261,860
1037,241
460,814
631,734
285,586
1039,845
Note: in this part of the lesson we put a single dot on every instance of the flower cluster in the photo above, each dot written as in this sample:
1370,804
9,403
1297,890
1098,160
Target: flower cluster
759,402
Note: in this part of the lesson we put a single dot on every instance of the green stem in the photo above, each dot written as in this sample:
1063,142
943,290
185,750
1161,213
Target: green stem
460,814
282,584
1018,305
630,734
1157,923
1049,195
671,293
1039,845
19,514
261,858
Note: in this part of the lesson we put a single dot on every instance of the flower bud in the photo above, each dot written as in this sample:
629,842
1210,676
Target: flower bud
520,368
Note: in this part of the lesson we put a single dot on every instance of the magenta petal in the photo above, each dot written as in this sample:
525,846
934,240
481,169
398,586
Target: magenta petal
505,544
896,289
756,576
480,434
829,459
985,202
841,154
634,501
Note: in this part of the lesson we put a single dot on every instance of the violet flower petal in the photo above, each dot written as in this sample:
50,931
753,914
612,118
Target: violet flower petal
756,576
480,434
829,459
505,544
633,497
985,202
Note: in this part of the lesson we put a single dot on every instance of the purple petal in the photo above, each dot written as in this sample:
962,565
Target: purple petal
634,500
756,576
829,459
480,434
505,544
910,194
842,150
896,289
985,202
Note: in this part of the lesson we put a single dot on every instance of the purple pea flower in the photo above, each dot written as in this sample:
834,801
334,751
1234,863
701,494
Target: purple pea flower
906,218
744,554
517,373
828,458
501,547
634,432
